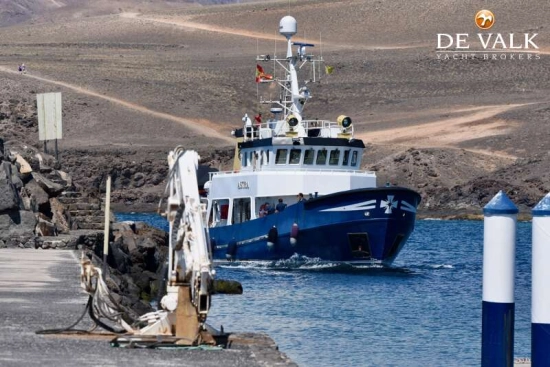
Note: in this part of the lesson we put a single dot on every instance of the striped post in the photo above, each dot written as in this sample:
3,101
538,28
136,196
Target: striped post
540,297
499,248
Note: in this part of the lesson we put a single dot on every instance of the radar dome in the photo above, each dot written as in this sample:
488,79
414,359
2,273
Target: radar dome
288,26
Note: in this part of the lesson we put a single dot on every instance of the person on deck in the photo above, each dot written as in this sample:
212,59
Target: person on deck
300,197
257,124
263,210
280,206
258,119
247,126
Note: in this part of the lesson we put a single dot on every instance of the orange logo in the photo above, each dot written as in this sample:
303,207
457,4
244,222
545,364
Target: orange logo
485,19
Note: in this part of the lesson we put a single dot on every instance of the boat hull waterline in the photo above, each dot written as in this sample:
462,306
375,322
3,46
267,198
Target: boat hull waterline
364,225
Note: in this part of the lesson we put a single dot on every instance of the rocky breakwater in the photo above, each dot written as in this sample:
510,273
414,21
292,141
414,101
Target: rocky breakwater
41,208
135,263
30,188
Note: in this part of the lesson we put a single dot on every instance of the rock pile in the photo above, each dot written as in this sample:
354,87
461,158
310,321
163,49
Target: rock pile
136,258
29,187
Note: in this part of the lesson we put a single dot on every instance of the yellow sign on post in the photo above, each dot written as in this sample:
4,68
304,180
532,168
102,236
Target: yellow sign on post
49,116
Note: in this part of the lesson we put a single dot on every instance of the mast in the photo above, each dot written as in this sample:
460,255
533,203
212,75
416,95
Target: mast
297,96
293,97
288,27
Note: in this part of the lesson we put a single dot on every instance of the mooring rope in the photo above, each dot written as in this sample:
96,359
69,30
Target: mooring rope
101,304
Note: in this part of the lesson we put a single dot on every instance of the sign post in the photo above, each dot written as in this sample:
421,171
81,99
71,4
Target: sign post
48,109
107,221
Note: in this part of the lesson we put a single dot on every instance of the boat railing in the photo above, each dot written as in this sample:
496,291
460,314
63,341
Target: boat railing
293,170
307,128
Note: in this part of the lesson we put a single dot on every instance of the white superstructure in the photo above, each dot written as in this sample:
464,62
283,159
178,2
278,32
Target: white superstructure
287,154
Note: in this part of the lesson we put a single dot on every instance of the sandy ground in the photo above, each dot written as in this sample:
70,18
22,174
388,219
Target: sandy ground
204,129
152,76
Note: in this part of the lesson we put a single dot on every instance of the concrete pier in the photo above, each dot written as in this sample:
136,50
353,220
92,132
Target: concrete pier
40,289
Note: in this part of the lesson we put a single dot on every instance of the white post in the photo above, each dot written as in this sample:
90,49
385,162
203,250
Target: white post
499,248
107,220
540,297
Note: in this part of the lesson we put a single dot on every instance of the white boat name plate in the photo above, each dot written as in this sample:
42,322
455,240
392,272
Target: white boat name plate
242,185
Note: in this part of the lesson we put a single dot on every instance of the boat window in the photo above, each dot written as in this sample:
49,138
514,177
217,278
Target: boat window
219,213
354,158
281,156
241,210
295,155
345,162
334,157
308,156
243,159
267,156
321,157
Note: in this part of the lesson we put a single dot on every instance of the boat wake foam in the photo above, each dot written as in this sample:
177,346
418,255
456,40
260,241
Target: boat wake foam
299,262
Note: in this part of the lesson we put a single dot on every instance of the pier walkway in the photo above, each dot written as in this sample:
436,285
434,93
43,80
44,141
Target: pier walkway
40,289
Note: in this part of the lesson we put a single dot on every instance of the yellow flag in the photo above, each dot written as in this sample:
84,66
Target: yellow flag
329,69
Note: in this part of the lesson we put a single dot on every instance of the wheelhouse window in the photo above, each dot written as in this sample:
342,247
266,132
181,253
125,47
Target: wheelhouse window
354,158
241,210
295,155
244,159
281,156
334,157
218,213
309,155
321,157
345,161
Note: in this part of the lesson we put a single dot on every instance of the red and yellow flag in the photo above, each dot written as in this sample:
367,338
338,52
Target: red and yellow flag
261,75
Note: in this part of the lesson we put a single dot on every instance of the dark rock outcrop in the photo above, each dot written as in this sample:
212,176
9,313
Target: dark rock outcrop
16,223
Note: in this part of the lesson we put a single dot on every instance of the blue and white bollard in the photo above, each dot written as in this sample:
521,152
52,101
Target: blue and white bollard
540,296
499,249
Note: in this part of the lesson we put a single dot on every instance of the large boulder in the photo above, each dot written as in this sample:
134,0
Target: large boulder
25,167
52,188
39,197
16,223
64,177
45,227
59,217
9,197
124,231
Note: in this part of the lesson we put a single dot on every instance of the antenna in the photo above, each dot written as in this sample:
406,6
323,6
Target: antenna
275,57
321,54
321,46
257,53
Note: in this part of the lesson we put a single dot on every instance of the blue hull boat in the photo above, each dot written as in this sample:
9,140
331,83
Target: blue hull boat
346,218
364,225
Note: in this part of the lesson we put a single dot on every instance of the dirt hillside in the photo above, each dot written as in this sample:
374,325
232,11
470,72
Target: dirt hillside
140,78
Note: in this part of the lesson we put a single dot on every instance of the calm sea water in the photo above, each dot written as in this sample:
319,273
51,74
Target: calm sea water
425,311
